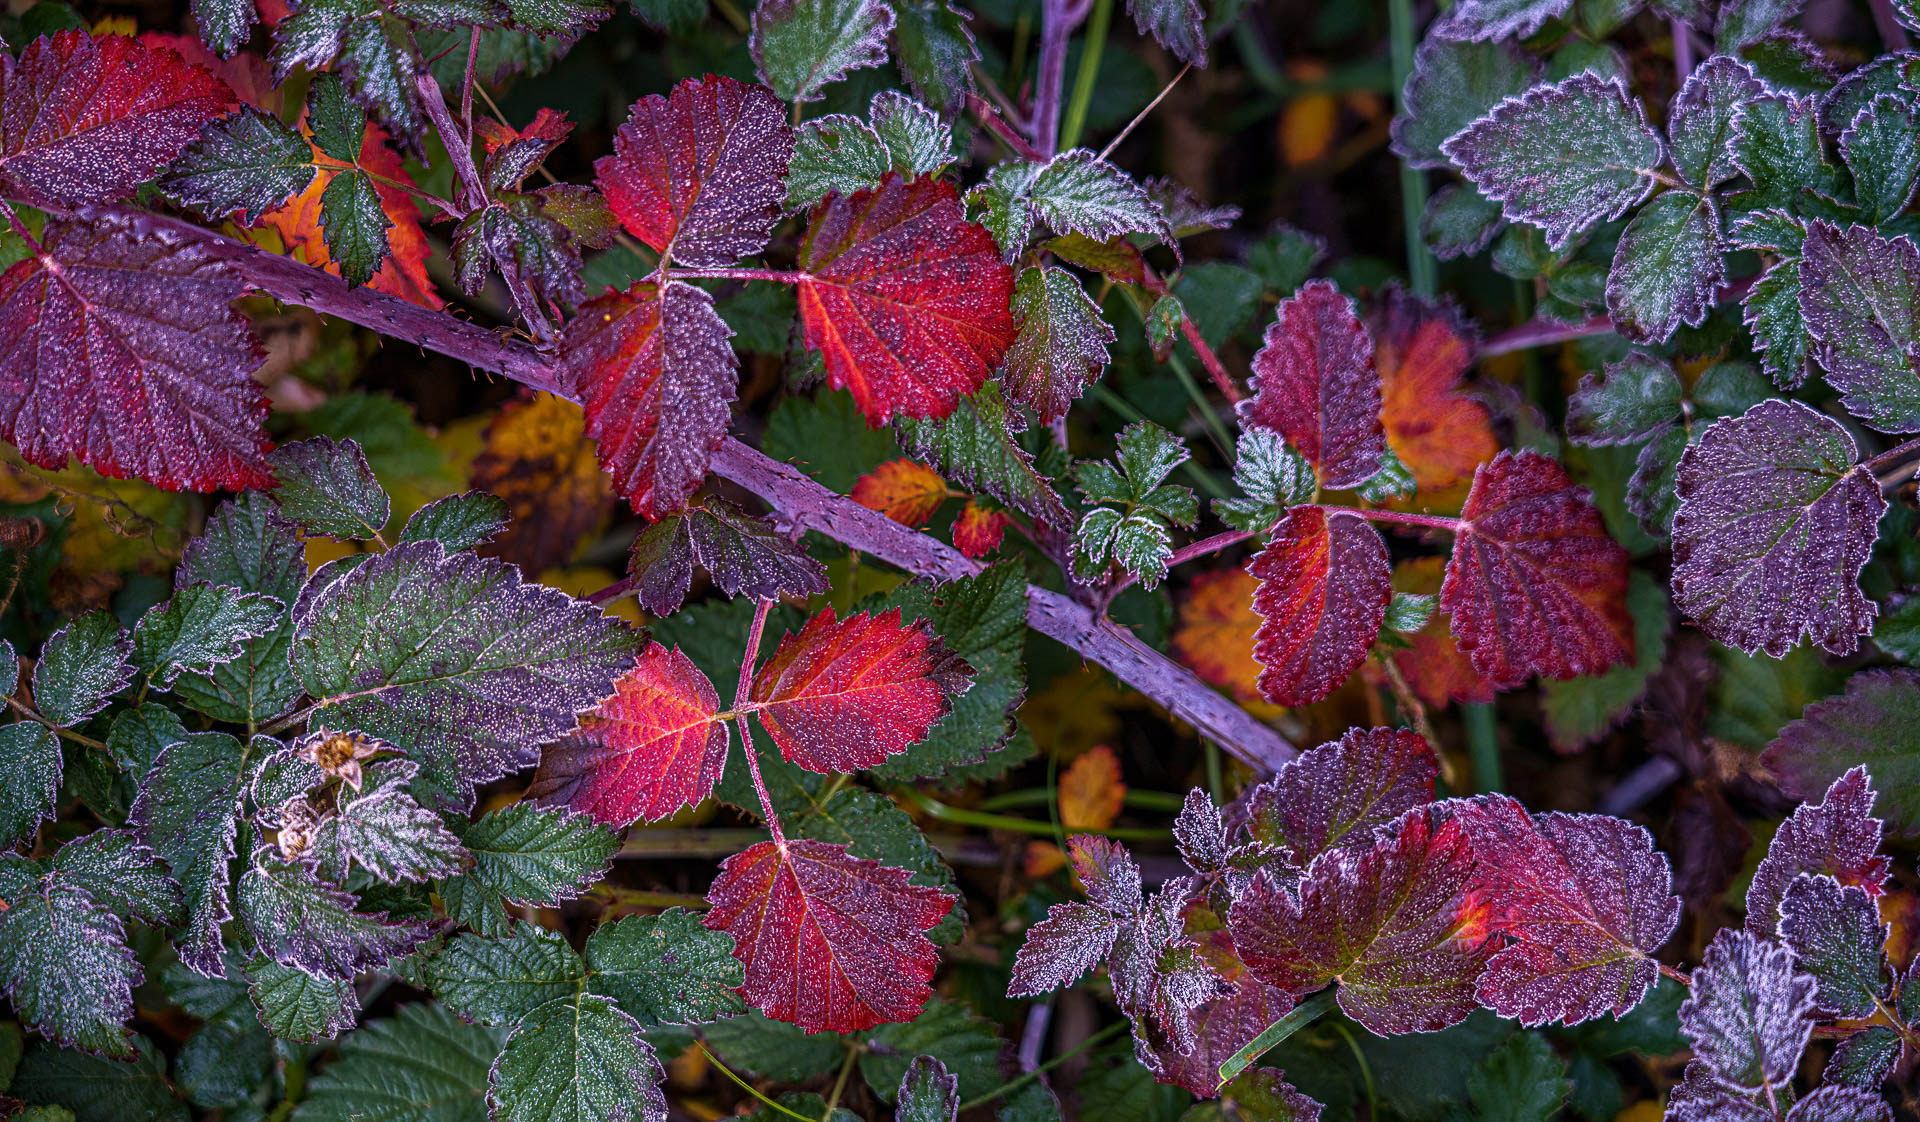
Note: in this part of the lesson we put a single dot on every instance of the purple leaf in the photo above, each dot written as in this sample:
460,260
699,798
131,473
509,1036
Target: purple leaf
188,811
1584,899
1222,1026
1840,1104
327,487
1870,725
1563,156
1315,384
1836,935
1750,1012
1073,939
744,555
1840,838
1498,19
1160,978
299,921
1336,795
1774,524
1700,122
1860,294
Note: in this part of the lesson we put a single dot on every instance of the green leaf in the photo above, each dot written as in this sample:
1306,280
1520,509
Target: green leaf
926,1093
1858,294
327,487
1581,710
1272,477
31,780
1776,142
665,969
1078,192
1127,1093
224,24
828,438
371,44
202,626
80,667
1779,330
1393,481
188,811
1754,695
298,920
916,139
1454,82
1285,257
1136,537
339,127
1062,343
983,620
975,447
1864,1060
529,855
801,46
1837,936
225,1062
774,1049
579,1059
297,1006
500,981
1459,221
1625,404
457,522
836,153
1162,325
472,667
249,546
1522,1081
421,1063
387,834
1667,269
1408,612
935,51
1176,25
354,225
1003,204
557,17
1700,119
98,1090
1881,146
967,1047
241,167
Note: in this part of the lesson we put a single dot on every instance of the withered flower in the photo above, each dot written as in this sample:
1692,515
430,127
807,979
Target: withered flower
339,753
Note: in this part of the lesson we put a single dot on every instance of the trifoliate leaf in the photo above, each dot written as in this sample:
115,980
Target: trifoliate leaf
297,1006
299,921
501,981
665,969
1859,293
203,625
458,658
577,1059
975,447
1272,477
1453,84
241,167
1133,533
1774,524
420,1063
1562,157
188,812
1062,344
1315,384
81,667
388,835
1667,268
1324,588
1865,726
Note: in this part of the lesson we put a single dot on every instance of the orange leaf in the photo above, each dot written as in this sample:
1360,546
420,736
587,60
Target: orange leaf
537,458
1438,671
1421,350
404,272
1091,792
906,491
1214,634
979,529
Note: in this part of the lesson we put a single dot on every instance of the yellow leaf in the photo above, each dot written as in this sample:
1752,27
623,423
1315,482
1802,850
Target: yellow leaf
1214,633
1091,792
538,459
904,490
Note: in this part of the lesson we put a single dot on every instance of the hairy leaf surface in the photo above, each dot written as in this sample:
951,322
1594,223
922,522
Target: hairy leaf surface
1323,593
1315,384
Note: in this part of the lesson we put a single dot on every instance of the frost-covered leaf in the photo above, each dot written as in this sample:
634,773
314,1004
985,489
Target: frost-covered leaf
906,491
1882,151
201,626
1133,532
468,520
500,981
1741,23
31,782
1176,25
1315,384
935,51
800,46
1750,1012
1077,192
1336,795
528,854
1073,939
1864,1060
1866,726
928,1092
1454,83
1580,710
389,835
1002,204
1700,120
299,921
1272,477
188,811
1625,404
1535,585
742,555
1561,157
246,545
648,750
665,969
828,941
1323,592
148,378
422,1062
1498,19
918,140
1062,343
1459,221
975,447
241,167
1774,524
834,154
696,174
1837,936
1860,296
1386,920
1772,314
905,301
81,667
1838,837
295,1005
1776,142
1584,899
577,1059
90,118
847,694
457,658
655,374
1667,268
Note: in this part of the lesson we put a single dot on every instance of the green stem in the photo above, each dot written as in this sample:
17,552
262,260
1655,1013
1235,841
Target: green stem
1101,1037
1482,746
1037,796
966,817
1366,1070
840,1083
1195,474
1216,782
1094,46
748,1087
1413,182
1221,438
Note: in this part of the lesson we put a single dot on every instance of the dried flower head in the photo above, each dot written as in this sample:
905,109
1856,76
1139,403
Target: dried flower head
298,821
339,753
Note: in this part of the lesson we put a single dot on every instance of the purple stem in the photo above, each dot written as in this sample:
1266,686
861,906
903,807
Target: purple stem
1683,60
472,194
796,496
1057,21
1891,31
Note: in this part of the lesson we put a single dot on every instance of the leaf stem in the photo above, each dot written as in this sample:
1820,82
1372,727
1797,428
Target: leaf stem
1142,115
1025,1078
1404,518
740,705
780,276
964,817
840,1081
998,126
748,1087
30,714
1413,181
1084,79
472,193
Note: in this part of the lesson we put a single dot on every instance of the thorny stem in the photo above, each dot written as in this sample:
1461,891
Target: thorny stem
472,193
740,704
1091,48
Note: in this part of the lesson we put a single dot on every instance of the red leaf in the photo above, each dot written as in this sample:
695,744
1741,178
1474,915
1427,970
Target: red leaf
1585,900
131,358
1839,837
907,301
978,530
655,375
846,694
1335,795
1222,1026
1315,385
1394,923
906,491
698,174
830,942
85,120
650,749
1435,667
1324,589
1535,585
1421,350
